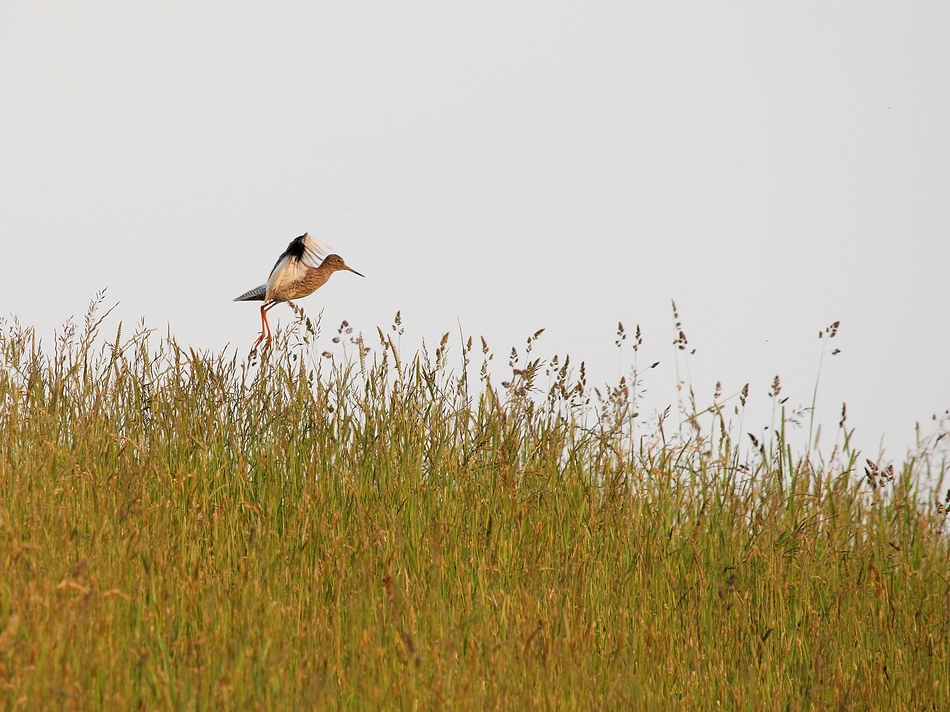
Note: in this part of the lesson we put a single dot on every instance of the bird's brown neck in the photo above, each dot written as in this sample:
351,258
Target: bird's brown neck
316,277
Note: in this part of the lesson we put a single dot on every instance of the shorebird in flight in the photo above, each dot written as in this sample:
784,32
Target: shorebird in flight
304,267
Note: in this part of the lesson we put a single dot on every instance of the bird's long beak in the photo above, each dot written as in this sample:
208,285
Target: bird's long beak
354,271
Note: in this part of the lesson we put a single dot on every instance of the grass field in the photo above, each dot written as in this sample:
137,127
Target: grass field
370,531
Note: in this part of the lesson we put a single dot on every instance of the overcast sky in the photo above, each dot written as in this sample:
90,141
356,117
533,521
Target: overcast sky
504,166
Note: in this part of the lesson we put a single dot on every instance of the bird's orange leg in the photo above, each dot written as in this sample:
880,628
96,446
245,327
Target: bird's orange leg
269,307
265,329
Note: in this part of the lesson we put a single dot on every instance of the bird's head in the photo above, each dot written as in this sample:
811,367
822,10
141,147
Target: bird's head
336,263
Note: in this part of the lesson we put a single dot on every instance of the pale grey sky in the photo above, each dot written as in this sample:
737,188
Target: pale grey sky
510,166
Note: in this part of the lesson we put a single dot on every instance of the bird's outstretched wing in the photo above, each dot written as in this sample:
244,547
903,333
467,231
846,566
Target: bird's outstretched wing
302,253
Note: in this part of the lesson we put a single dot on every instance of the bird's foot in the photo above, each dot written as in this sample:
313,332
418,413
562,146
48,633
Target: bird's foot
253,354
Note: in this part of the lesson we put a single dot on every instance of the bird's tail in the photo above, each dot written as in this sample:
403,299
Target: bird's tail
254,295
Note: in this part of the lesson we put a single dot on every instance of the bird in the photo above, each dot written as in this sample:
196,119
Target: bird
303,268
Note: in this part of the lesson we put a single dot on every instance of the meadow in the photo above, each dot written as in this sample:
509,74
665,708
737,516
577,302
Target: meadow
339,525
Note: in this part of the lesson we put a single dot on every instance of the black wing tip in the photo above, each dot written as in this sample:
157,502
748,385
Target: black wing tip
296,248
